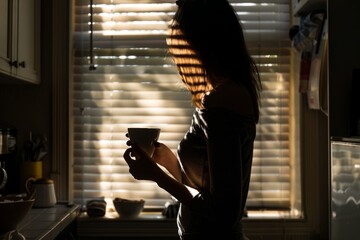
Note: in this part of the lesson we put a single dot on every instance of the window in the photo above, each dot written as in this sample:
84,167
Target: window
123,77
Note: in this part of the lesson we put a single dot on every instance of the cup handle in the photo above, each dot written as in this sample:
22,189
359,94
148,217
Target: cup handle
29,185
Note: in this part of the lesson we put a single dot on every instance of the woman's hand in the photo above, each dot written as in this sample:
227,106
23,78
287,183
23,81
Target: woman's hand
141,166
163,156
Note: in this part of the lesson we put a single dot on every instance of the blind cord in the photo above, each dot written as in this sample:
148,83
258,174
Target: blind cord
92,66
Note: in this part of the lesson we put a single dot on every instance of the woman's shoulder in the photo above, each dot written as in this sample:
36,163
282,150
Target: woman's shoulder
231,96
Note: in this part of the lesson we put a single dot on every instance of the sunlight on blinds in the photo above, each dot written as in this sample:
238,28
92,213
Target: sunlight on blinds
135,84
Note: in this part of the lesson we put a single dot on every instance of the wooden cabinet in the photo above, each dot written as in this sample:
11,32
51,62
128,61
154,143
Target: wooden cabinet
344,63
4,37
20,40
312,42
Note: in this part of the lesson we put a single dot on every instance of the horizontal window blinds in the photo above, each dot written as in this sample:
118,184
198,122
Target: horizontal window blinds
135,84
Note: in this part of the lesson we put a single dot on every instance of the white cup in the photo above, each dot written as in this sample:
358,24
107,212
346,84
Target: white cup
144,138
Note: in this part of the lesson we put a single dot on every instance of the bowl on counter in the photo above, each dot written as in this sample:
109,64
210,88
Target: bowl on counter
12,211
128,208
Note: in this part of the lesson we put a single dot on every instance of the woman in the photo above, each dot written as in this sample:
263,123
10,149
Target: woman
211,172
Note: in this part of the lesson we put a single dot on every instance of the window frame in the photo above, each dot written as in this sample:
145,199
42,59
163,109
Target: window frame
309,146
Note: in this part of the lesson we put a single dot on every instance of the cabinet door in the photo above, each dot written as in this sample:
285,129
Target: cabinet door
27,41
5,31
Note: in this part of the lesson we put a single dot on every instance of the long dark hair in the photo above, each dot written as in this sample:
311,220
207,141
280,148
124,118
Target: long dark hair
213,34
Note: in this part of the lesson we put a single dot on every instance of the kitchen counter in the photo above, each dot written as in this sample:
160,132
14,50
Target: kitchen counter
47,223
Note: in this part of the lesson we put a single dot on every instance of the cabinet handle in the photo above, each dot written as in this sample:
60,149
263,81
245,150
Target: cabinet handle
17,64
14,63
22,64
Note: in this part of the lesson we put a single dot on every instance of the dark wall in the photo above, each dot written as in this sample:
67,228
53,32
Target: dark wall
28,107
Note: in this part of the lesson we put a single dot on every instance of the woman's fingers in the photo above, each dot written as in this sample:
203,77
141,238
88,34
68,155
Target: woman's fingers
138,150
134,152
127,155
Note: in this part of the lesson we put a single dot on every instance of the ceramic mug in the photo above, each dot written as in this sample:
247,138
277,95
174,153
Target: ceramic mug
145,138
43,190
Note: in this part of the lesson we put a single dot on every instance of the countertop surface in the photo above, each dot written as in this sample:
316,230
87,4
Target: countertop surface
47,223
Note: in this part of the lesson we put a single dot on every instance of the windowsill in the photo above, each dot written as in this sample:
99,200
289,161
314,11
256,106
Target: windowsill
272,214
113,216
150,224
156,215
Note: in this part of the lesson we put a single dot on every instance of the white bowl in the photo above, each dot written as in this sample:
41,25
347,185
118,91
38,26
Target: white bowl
128,208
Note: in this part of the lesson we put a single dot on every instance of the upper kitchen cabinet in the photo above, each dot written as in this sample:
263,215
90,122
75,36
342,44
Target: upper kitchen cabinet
20,41
303,7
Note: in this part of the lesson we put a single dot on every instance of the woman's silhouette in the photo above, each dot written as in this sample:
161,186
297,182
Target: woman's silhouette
211,172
